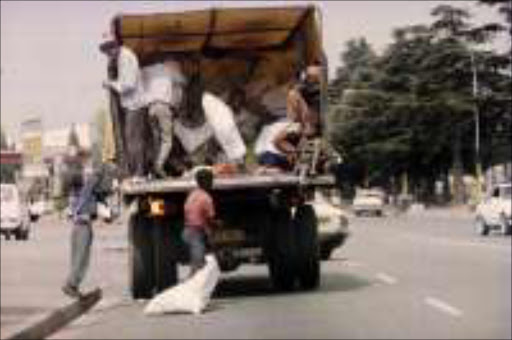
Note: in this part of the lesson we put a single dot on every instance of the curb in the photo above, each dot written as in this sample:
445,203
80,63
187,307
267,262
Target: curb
43,326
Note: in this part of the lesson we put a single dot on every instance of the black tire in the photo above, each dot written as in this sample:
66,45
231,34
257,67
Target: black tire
507,227
141,261
281,250
325,254
21,234
482,228
308,252
165,255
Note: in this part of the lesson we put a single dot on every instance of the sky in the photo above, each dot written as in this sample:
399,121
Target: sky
51,66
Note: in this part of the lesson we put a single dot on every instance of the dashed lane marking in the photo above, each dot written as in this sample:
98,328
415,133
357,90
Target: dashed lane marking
386,278
443,306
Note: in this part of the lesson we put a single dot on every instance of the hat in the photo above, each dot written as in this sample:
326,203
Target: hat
108,45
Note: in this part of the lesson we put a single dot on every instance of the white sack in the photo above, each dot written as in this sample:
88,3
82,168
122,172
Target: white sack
190,296
192,138
220,117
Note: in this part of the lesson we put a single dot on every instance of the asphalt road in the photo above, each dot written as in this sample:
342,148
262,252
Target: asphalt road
420,275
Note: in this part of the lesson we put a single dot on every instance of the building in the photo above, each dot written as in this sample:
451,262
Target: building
46,151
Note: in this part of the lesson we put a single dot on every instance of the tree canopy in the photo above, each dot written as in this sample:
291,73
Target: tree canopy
412,109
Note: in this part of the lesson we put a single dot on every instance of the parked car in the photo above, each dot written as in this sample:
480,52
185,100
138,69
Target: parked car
14,218
333,227
104,212
368,201
494,212
39,208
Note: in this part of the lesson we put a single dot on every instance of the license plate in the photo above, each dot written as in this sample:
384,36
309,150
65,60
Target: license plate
233,235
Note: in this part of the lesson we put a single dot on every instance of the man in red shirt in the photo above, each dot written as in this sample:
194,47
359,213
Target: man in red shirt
199,219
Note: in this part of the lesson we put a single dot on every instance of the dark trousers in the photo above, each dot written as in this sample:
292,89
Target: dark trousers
160,115
135,135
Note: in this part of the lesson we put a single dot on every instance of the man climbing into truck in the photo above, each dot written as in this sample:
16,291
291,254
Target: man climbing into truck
129,87
163,83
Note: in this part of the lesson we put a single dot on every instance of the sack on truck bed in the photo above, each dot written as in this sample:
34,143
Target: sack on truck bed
190,296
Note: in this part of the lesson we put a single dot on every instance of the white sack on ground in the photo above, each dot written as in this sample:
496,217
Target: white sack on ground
221,118
190,296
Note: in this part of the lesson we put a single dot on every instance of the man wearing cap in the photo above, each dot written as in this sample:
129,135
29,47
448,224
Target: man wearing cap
128,85
163,85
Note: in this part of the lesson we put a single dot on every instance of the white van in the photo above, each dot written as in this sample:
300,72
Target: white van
14,218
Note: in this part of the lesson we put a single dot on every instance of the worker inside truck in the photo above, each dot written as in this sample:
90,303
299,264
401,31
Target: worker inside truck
257,54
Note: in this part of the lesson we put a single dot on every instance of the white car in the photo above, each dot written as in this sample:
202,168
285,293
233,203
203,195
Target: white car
40,208
14,218
104,212
368,201
333,227
494,212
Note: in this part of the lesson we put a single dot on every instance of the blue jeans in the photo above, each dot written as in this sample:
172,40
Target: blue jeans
81,242
197,242
274,159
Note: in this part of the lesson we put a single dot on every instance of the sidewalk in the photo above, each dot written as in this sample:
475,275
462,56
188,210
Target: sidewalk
32,273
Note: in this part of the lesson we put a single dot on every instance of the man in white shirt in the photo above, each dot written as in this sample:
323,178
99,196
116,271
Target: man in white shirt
276,146
164,84
131,95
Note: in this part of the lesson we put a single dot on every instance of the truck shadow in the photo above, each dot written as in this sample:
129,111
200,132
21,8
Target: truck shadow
259,285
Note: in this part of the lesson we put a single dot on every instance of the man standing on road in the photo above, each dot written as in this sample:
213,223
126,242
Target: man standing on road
83,212
131,93
199,219
164,83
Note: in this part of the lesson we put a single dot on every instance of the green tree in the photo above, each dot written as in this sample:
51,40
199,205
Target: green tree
7,171
3,140
411,110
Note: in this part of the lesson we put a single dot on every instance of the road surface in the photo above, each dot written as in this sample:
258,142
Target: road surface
420,275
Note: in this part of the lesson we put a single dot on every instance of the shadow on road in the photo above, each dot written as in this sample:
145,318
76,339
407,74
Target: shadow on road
251,286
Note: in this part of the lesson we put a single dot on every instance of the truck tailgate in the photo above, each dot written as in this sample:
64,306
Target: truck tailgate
233,182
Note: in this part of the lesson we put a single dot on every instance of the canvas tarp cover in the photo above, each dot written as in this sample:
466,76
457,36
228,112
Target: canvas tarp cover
268,44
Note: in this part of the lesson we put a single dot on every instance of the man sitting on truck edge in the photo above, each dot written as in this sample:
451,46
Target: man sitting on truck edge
199,219
276,146
131,94
164,83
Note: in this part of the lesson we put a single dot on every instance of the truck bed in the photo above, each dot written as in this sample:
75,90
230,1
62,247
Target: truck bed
234,182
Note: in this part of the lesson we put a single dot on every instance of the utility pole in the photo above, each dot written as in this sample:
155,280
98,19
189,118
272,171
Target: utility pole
478,163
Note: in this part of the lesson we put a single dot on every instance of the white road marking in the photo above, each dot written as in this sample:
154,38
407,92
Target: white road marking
443,306
456,242
386,278
355,264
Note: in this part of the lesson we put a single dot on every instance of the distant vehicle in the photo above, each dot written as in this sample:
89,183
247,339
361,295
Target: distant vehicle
39,208
494,212
14,218
333,227
368,201
103,211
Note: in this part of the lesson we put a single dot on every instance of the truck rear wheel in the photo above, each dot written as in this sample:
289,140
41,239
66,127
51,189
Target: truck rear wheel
281,253
141,257
308,252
